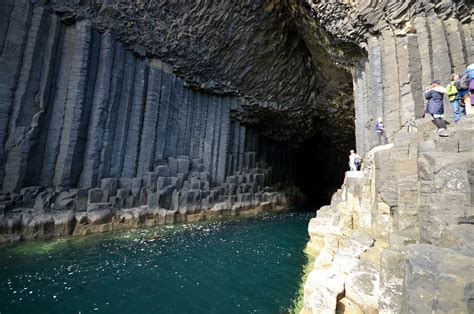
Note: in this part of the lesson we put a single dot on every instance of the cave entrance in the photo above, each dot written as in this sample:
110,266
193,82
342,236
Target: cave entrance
319,172
315,167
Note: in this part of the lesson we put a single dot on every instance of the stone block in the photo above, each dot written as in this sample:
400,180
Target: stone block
153,201
64,222
436,279
123,194
447,145
466,140
163,171
204,176
125,183
392,269
163,182
110,185
164,199
151,179
323,298
383,226
173,166
194,184
183,166
65,200
178,185
362,286
98,206
116,203
170,217
197,165
43,201
100,214
29,195
137,183
94,196
230,179
175,196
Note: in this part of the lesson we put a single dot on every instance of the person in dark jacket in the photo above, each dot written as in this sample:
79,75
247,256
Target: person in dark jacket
435,107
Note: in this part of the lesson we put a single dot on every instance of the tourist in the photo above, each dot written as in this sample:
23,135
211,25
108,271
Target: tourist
470,74
452,92
380,130
466,90
354,161
434,94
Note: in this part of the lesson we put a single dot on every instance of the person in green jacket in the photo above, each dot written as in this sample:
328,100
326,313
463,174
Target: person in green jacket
453,97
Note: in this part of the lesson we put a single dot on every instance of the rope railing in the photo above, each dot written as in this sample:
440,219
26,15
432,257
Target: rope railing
410,126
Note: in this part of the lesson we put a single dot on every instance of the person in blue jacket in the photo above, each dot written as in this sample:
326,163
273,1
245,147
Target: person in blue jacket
470,75
435,106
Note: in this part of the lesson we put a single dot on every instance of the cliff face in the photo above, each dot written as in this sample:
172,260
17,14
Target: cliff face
406,46
175,108
397,236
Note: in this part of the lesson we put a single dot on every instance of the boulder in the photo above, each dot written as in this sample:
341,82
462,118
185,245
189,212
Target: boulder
362,286
322,290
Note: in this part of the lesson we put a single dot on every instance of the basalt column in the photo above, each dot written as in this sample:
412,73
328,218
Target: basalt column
89,128
137,113
400,64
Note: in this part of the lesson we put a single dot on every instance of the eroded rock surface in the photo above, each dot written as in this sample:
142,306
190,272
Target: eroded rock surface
397,237
96,97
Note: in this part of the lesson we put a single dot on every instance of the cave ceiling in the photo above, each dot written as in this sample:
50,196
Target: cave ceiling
253,49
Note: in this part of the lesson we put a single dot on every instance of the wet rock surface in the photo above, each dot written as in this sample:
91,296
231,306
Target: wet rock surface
162,197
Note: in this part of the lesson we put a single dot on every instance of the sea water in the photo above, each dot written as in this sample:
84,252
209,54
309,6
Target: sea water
238,266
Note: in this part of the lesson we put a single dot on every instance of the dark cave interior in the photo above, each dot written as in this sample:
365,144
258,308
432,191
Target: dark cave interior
315,167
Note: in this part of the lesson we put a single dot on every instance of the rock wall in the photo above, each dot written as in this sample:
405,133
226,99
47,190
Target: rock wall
88,128
249,48
398,235
389,83
394,50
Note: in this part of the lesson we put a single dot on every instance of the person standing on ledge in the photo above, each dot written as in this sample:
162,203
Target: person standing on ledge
452,92
354,161
434,94
380,130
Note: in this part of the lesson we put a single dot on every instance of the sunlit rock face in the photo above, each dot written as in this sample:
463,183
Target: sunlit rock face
406,45
397,230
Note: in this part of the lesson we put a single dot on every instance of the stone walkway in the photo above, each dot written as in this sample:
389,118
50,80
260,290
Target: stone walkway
398,236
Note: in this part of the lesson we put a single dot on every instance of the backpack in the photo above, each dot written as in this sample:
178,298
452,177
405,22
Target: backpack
462,83
357,163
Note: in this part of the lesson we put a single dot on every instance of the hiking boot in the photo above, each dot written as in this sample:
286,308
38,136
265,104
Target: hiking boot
443,133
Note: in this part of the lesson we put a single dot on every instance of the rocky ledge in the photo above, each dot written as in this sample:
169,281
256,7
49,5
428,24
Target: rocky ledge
398,236
180,191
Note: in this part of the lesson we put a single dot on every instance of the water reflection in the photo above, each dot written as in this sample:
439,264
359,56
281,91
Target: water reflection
231,266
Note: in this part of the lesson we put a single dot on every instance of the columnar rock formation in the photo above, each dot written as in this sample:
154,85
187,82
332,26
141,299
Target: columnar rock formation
93,121
397,237
406,46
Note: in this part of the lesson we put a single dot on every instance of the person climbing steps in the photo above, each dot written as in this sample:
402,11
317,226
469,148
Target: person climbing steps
434,95
380,130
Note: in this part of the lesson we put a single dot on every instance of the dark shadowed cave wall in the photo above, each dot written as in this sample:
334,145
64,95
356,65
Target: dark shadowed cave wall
97,90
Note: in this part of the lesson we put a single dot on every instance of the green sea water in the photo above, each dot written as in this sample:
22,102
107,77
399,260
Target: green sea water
241,266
